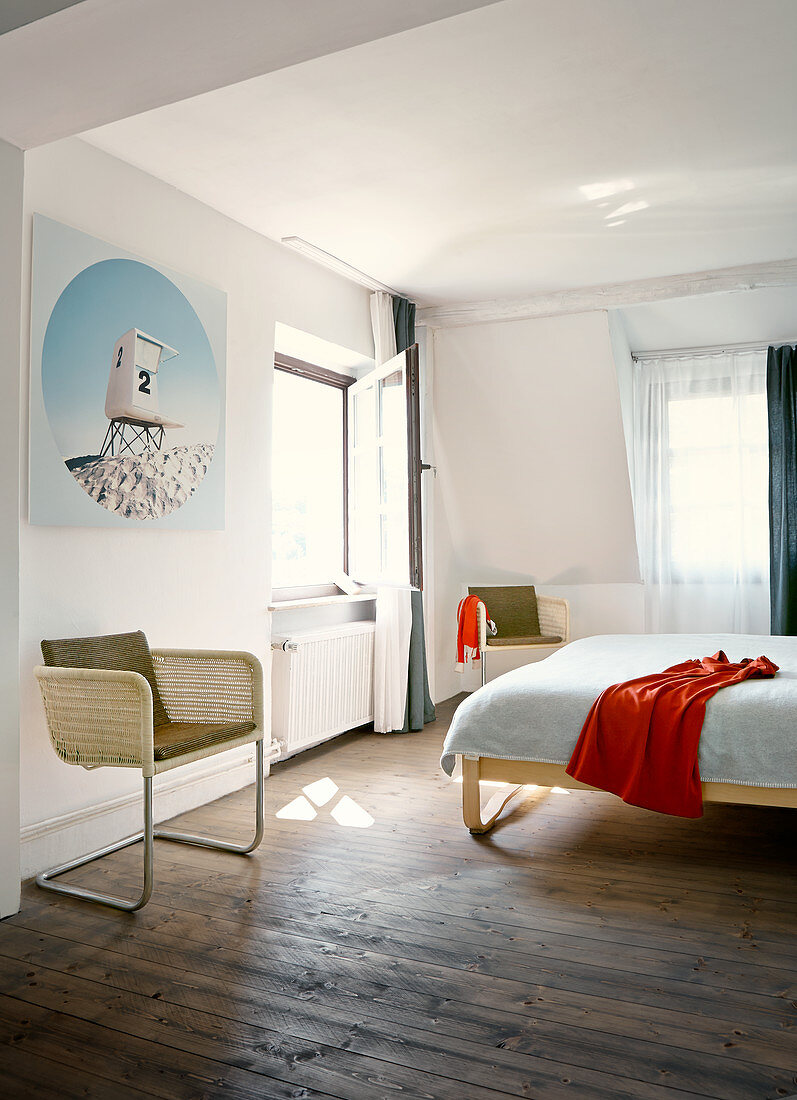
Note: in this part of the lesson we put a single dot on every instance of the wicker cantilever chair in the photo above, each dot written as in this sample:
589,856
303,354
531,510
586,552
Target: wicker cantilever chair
524,620
111,702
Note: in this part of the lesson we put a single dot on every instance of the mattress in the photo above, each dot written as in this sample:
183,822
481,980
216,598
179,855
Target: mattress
536,712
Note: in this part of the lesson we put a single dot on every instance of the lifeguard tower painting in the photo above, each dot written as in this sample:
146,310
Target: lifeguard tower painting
131,403
130,389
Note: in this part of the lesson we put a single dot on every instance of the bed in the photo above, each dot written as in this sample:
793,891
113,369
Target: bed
522,727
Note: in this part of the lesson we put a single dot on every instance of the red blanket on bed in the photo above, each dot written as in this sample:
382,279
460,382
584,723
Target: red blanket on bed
640,739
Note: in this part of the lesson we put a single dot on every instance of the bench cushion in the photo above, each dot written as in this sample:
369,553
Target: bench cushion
524,639
513,609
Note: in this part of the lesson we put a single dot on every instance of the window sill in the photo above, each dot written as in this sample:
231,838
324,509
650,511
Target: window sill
321,601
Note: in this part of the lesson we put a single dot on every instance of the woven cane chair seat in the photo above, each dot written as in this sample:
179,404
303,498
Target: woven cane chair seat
110,701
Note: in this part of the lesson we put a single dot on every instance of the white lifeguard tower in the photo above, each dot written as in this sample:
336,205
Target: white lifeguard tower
131,402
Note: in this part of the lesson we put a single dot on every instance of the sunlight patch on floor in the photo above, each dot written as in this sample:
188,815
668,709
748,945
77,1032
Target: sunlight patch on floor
298,810
319,793
496,783
351,815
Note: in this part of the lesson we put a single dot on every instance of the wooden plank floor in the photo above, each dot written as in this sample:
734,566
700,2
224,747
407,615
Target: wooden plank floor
583,949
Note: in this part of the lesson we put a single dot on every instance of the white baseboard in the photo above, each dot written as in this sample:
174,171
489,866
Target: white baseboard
58,839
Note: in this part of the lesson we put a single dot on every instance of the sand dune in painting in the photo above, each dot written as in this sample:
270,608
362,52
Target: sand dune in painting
145,486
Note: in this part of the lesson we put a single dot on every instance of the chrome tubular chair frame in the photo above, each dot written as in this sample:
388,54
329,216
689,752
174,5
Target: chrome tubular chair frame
148,835
104,718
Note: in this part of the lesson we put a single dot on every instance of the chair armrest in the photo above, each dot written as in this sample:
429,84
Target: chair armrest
203,685
554,615
98,717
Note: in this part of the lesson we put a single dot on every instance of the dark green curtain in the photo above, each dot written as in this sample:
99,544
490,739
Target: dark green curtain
420,708
404,320
782,410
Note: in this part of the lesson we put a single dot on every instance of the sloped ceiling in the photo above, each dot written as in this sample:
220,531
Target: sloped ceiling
517,148
73,66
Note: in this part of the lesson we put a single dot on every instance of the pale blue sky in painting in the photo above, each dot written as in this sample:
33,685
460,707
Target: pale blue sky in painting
98,306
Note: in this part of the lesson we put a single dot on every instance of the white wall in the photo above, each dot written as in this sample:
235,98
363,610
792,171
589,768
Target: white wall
11,186
532,482
202,588
624,369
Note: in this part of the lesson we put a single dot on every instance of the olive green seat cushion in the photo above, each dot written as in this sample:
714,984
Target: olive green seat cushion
513,609
178,738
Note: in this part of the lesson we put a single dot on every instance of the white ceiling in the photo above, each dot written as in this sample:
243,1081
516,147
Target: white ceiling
465,159
18,13
77,65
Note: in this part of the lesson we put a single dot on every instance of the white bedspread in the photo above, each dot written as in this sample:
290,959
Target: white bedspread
536,712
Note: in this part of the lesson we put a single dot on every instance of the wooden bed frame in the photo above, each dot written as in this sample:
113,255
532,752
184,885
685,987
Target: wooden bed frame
522,772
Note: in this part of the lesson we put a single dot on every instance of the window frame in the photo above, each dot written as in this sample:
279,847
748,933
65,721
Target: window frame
323,375
415,465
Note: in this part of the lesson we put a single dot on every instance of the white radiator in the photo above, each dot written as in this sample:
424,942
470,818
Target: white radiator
322,684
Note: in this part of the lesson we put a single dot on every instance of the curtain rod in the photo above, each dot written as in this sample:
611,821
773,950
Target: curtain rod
708,349
340,267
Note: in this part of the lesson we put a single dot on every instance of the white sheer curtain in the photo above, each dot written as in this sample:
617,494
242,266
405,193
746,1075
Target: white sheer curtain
384,326
701,491
391,657
393,605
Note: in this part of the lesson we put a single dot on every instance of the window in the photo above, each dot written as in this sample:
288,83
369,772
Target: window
385,466
309,474
346,501
718,477
701,490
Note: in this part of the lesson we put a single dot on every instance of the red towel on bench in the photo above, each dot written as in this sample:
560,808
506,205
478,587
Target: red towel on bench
641,738
468,631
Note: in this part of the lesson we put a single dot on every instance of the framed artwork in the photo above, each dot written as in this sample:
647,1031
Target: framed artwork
127,389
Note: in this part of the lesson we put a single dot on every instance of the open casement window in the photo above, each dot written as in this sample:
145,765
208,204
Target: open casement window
309,475
385,474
